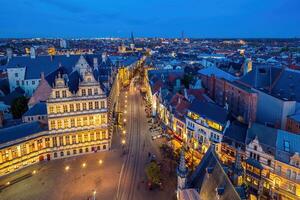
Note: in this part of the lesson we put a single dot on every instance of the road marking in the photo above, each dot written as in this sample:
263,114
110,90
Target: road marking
121,173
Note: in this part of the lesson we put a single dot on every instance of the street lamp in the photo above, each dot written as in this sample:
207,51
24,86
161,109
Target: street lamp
83,165
94,195
100,162
125,111
34,172
67,168
124,132
124,120
123,141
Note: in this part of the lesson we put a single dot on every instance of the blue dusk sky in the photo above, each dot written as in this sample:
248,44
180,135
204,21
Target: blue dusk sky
151,18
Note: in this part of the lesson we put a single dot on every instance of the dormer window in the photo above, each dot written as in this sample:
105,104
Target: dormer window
95,91
89,79
286,146
57,94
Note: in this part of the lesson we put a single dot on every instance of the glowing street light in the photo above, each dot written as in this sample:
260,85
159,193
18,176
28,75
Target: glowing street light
123,141
84,165
8,183
124,132
67,168
94,195
34,172
125,111
100,162
124,120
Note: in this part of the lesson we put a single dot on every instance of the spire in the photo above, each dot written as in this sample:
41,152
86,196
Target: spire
182,170
132,38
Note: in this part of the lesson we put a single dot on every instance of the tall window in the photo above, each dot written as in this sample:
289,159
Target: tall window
103,135
86,137
90,105
61,141
77,106
65,108
96,105
84,121
83,106
47,142
58,109
56,94
79,122
96,91
64,94
54,140
51,109
73,139
102,104
72,122
91,119
83,92
71,107
67,139
80,138
59,124
90,92
52,124
66,123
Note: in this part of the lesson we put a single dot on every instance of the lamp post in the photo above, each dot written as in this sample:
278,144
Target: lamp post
94,195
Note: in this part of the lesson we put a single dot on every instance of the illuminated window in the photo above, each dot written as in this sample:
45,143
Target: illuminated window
92,136
72,122
98,137
83,106
66,123
73,139
61,141
80,138
65,108
79,122
51,109
52,124
67,139
71,107
90,105
96,105
103,119
91,119
84,121
77,106
58,109
103,135
59,124
86,137
54,140
47,142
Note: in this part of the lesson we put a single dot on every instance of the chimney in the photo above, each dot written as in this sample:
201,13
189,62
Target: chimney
32,53
104,57
95,61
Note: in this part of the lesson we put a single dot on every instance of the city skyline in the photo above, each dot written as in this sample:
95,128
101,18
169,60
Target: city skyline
198,19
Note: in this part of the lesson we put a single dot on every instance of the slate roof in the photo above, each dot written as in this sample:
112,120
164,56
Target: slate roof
20,131
8,99
210,111
295,117
284,82
235,132
210,175
266,136
37,109
218,73
293,140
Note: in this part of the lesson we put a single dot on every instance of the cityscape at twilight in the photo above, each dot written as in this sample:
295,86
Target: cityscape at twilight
154,100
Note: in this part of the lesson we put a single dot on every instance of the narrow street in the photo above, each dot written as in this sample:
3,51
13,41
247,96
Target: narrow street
132,182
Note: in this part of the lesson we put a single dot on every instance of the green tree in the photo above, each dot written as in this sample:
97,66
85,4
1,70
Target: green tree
19,107
153,172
